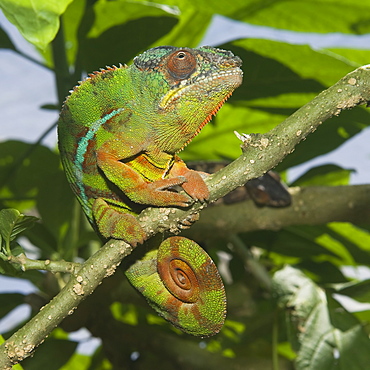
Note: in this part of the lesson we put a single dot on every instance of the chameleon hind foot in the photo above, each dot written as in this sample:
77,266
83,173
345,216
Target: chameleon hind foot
114,224
188,221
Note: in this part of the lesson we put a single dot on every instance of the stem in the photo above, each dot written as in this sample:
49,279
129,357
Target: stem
7,248
71,241
85,25
31,59
249,261
62,75
275,340
47,265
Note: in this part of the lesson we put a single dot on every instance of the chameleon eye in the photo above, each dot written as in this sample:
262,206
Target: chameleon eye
181,64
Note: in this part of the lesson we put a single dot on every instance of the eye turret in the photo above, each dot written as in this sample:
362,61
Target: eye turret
181,64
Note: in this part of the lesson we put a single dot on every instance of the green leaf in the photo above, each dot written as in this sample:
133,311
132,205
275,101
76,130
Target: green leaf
16,249
324,335
7,269
55,207
360,291
190,29
78,362
356,235
324,175
126,313
36,20
8,218
109,14
217,140
346,16
23,167
9,301
180,24
304,16
49,107
324,272
332,243
146,30
12,223
42,237
353,57
74,27
298,241
272,76
5,41
292,61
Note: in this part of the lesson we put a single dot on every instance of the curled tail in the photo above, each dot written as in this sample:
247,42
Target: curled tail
181,282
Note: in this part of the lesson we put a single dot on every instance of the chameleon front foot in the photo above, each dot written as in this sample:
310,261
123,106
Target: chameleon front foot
117,225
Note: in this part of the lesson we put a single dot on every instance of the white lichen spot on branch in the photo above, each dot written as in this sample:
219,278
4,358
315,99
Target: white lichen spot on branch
18,353
110,271
264,142
351,102
78,289
253,140
242,137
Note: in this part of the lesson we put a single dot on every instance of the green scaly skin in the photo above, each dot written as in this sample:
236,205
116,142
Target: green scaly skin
119,134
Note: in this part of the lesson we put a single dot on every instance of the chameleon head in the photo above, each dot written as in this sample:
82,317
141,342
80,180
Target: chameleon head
190,87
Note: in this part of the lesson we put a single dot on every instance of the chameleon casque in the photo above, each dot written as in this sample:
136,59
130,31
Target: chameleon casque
119,134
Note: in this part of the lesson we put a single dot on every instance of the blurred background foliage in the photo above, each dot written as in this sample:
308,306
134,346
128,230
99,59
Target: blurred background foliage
282,286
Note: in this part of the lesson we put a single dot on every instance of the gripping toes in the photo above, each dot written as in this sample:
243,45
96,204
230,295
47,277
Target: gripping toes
195,186
117,225
159,193
188,221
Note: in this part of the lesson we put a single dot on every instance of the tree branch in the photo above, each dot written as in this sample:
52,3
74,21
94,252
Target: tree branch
316,205
261,153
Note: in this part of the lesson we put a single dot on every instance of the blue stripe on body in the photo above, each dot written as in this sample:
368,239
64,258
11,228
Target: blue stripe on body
82,148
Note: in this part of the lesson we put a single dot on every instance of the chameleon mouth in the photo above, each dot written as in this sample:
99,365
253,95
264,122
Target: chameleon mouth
227,80
207,119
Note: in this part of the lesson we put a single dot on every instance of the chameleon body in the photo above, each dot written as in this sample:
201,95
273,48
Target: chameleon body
119,134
